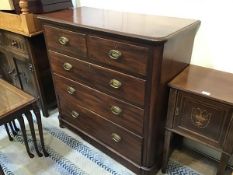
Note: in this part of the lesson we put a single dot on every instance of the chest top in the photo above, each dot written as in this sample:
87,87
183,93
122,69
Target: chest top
146,27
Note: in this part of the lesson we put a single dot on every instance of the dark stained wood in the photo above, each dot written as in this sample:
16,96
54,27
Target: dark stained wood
154,50
76,43
146,27
196,110
100,77
131,117
133,59
129,145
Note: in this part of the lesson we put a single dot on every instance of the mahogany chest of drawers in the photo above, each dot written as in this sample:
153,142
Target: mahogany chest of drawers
110,71
201,108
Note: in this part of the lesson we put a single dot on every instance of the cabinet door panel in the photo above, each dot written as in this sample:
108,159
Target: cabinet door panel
8,71
25,73
203,119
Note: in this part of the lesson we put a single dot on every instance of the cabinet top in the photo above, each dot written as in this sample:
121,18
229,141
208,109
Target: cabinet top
141,26
207,82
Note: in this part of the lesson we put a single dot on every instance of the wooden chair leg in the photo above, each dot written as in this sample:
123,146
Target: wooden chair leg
31,125
12,129
223,164
15,127
166,150
38,118
23,129
8,132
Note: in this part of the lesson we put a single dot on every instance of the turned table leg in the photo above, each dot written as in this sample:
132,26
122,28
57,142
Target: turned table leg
23,129
166,150
12,129
31,125
8,132
223,164
38,118
15,127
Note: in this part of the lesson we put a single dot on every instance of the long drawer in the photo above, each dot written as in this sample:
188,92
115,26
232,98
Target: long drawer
123,142
120,85
119,112
123,55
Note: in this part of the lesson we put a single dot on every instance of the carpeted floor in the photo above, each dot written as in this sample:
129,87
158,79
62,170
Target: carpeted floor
69,155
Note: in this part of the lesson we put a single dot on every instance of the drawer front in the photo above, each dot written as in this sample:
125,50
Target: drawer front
114,137
128,57
64,41
119,112
15,43
202,118
114,83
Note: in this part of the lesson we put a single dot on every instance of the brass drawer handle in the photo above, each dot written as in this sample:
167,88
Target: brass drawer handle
63,40
74,114
70,90
114,54
116,110
115,83
67,66
116,138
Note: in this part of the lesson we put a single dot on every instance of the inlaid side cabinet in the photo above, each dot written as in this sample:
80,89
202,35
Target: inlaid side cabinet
110,72
201,108
24,63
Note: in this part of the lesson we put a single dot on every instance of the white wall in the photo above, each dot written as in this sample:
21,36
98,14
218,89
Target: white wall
213,44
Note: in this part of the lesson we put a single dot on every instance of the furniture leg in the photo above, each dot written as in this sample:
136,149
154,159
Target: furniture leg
39,123
31,125
166,150
22,126
15,127
223,164
1,170
8,132
12,129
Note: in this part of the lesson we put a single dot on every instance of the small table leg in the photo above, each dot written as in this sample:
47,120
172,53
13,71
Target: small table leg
8,132
38,118
1,170
31,125
166,150
223,164
22,126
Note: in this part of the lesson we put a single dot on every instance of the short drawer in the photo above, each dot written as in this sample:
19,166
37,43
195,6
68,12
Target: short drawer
119,112
125,56
120,85
201,118
64,41
15,43
121,141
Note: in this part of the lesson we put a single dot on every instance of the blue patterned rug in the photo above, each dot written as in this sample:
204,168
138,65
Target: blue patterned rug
69,155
